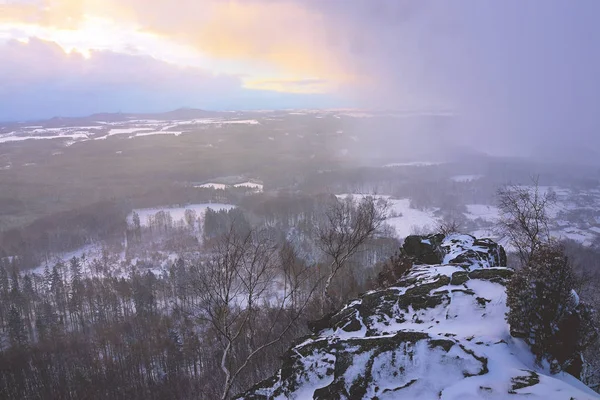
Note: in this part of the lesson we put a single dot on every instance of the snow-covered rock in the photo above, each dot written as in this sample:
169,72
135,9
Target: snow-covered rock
438,333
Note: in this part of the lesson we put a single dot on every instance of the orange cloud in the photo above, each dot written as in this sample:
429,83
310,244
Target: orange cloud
285,38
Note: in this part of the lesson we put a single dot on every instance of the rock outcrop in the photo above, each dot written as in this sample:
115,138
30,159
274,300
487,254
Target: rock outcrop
438,333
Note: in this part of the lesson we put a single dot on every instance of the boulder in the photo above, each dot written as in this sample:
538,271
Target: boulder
424,249
431,335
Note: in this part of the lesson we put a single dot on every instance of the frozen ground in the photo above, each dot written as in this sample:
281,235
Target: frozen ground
177,213
410,220
413,164
428,338
129,129
569,217
466,178
254,186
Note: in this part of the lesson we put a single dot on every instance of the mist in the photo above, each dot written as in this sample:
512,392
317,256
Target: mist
520,77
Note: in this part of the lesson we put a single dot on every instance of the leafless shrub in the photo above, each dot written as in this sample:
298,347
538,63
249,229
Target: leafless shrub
349,223
249,298
524,217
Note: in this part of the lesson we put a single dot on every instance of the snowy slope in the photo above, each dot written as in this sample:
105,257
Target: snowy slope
439,333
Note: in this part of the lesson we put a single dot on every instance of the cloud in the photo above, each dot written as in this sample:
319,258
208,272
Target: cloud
289,85
39,77
277,39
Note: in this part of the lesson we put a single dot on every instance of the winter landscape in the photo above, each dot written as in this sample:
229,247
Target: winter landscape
299,200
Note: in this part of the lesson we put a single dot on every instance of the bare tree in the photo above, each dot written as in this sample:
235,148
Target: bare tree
348,224
249,300
448,225
524,217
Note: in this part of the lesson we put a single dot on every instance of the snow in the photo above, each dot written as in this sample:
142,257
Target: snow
6,139
252,185
163,132
243,122
482,363
413,164
466,178
91,251
357,114
581,236
120,131
211,185
411,218
258,187
482,211
177,213
134,128
575,298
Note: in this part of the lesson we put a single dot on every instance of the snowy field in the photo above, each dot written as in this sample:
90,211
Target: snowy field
94,252
130,129
466,178
410,221
177,213
413,164
482,211
257,187
90,252
135,128
403,219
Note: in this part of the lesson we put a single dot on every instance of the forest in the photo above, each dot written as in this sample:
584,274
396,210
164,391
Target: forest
240,286
210,325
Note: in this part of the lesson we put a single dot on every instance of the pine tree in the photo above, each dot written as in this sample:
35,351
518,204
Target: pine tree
17,334
4,283
137,226
543,311
76,294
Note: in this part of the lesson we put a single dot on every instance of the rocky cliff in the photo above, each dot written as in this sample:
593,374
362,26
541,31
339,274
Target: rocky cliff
438,333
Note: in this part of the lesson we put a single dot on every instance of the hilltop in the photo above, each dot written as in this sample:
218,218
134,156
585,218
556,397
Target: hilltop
438,333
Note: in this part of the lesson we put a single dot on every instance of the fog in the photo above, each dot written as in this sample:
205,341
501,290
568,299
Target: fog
521,77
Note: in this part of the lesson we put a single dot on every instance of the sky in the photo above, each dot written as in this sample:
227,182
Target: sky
526,71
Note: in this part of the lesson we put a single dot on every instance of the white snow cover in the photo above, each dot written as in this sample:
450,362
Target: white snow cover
252,185
178,213
163,132
466,178
257,187
212,185
402,218
485,212
413,164
410,219
10,138
481,361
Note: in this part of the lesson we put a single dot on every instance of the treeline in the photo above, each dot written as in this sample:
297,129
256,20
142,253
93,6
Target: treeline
68,336
103,221
210,325
63,232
